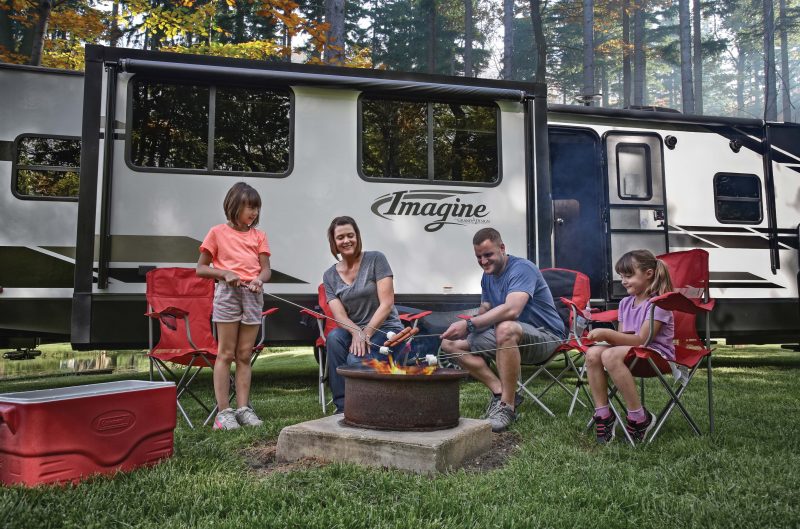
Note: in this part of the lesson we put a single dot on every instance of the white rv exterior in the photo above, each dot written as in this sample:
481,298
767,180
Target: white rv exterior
131,216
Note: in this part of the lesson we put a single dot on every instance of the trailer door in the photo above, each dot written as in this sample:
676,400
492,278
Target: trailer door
637,215
577,180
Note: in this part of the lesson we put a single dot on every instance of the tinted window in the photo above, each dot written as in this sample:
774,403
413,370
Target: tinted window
633,171
465,143
394,139
251,131
170,128
458,144
169,125
737,198
47,167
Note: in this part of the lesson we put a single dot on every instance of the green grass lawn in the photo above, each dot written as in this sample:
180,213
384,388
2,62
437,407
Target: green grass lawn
746,475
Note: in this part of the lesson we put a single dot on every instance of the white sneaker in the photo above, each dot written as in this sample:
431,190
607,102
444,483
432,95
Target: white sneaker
226,420
245,416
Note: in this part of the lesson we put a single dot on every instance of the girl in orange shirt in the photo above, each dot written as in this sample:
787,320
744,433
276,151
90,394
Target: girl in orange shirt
237,256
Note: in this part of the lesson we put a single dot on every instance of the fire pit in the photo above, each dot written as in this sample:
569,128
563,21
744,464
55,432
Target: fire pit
419,399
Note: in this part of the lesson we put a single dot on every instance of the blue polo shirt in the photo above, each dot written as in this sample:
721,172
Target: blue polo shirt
521,275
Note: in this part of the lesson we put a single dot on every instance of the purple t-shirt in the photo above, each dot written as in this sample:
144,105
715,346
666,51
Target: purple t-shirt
631,318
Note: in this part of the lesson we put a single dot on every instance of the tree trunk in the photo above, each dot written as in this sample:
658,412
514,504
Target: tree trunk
588,51
786,101
604,83
432,37
626,55
638,52
113,32
375,39
508,39
687,87
770,102
539,41
39,31
697,57
468,29
740,62
334,45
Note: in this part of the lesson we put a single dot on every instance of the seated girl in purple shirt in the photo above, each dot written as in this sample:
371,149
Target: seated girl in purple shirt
643,277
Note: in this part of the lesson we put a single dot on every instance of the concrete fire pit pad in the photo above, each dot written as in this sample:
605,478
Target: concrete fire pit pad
422,452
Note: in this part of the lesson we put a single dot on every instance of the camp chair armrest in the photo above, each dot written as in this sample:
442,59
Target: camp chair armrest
175,312
414,317
679,302
313,314
260,344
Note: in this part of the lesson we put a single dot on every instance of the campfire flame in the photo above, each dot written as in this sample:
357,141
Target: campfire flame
391,368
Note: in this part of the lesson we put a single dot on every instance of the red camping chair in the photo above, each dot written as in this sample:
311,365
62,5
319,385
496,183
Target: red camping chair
570,290
175,294
689,273
325,325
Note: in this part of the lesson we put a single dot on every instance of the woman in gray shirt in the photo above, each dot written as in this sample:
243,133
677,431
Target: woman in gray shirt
360,292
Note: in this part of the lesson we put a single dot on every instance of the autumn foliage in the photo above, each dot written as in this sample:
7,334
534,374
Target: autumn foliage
253,29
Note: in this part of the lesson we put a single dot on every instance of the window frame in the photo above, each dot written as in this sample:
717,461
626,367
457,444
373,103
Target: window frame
430,128
15,167
212,89
759,199
648,171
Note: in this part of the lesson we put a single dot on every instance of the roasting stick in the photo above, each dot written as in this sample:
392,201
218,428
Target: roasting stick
382,349
450,356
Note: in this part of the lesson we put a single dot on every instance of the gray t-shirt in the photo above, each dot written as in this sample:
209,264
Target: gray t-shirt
360,299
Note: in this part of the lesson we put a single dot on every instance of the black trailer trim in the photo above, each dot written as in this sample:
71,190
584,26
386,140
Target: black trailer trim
80,327
250,75
540,195
104,254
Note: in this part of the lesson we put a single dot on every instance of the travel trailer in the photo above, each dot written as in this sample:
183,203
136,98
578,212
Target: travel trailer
421,162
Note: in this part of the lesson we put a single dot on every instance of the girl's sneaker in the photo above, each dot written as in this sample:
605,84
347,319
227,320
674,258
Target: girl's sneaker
639,430
604,428
245,416
226,420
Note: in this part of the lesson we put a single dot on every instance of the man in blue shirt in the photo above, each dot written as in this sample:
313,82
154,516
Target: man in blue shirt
516,322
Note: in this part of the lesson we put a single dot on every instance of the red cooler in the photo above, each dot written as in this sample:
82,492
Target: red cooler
66,434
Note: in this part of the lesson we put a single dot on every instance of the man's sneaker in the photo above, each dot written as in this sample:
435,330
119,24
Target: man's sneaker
245,416
639,430
226,420
501,418
494,401
604,428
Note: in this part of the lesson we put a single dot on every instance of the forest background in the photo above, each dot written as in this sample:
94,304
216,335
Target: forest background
723,57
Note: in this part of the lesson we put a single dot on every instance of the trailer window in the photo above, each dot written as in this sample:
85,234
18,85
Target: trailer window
170,128
47,167
737,198
169,125
413,140
634,179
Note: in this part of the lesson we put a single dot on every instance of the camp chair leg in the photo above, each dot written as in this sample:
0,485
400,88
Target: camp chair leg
641,390
710,396
674,401
535,399
159,365
579,384
620,423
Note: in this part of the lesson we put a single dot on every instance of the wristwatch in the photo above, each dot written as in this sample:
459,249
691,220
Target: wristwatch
470,326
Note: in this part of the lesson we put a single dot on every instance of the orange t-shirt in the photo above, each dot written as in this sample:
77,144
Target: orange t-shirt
235,250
